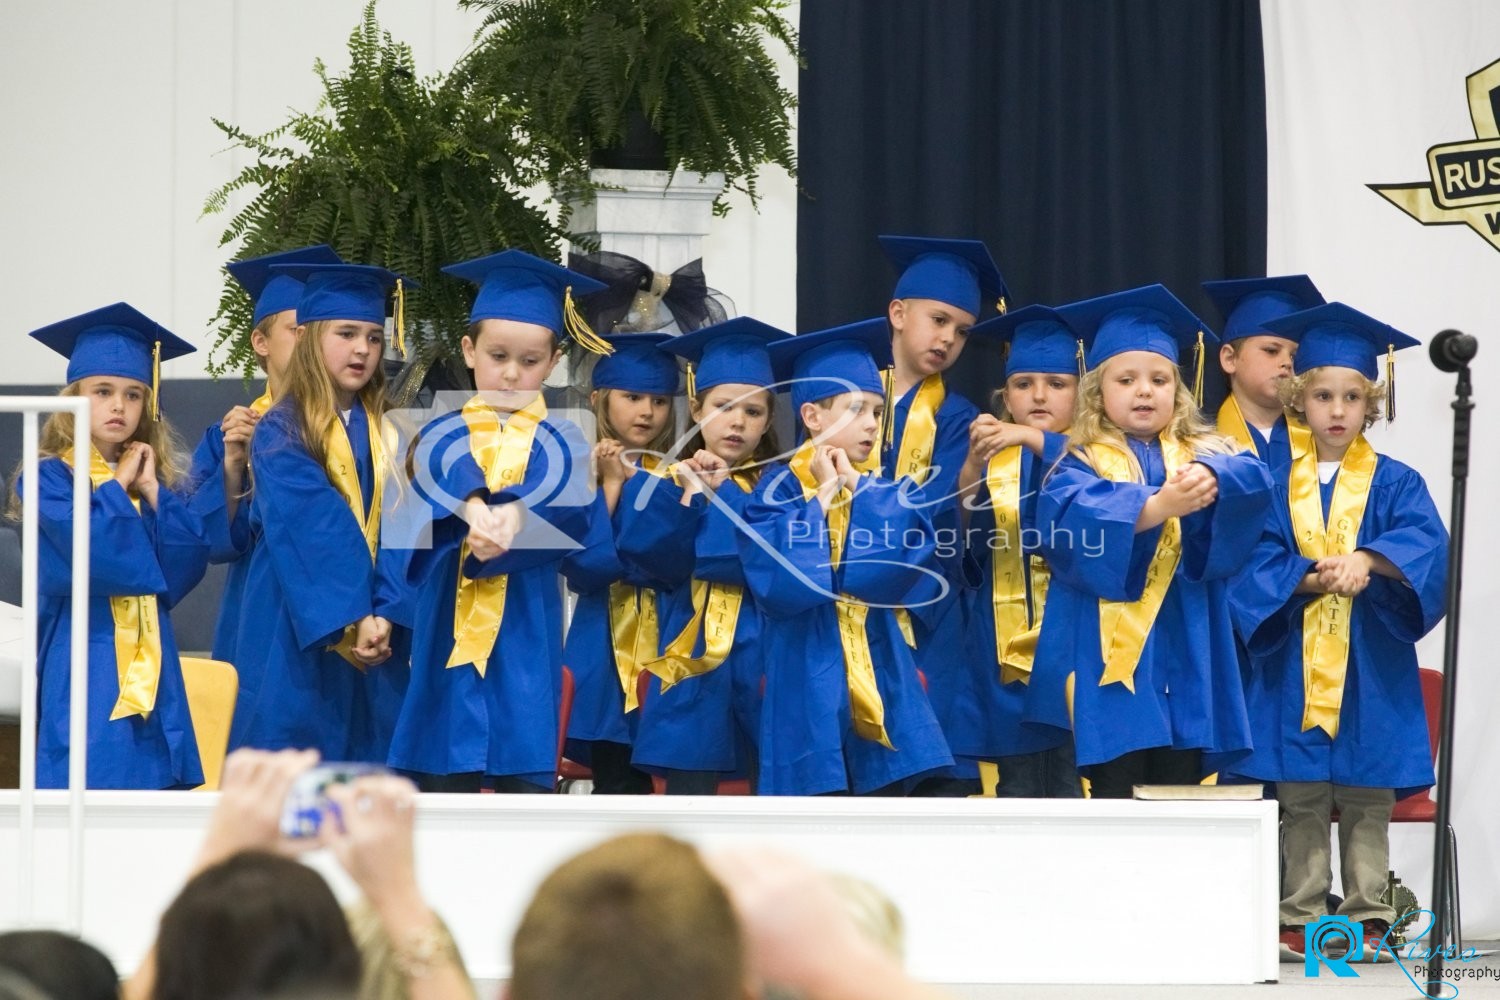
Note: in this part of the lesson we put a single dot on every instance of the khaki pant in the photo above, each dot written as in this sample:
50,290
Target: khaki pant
1364,849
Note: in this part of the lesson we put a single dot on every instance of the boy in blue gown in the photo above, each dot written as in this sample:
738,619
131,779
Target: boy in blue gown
219,475
485,689
831,557
1257,362
943,288
149,552
1005,561
1340,723
1146,519
701,717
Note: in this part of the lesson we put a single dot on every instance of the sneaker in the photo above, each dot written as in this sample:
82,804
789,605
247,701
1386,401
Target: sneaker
1375,948
1293,943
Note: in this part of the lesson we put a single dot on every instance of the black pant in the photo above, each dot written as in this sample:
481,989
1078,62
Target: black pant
613,774
1157,766
1046,774
473,781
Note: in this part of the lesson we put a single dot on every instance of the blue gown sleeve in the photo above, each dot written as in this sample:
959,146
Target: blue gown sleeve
117,536
785,552
315,545
595,564
1263,603
557,494
655,530
718,541
890,557
1089,525
1217,540
1413,538
207,492
182,547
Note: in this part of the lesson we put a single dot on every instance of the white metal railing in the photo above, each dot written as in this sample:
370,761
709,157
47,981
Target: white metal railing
29,407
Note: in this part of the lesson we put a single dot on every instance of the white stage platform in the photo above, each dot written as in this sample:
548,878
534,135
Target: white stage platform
1019,891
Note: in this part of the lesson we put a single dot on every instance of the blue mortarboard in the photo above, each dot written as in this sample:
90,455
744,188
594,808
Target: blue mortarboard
959,272
517,286
731,351
1040,341
841,359
1148,318
273,293
1341,336
1248,303
117,340
637,363
344,291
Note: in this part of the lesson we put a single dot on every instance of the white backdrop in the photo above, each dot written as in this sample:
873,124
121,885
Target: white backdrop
108,153
1356,91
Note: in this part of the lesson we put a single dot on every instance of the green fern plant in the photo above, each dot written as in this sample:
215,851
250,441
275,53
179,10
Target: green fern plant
697,70
408,173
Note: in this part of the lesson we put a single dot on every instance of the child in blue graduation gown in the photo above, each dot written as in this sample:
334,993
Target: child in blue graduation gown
1145,520
699,721
615,628
1005,562
1354,551
219,477
509,489
325,603
146,551
1257,362
831,556
942,289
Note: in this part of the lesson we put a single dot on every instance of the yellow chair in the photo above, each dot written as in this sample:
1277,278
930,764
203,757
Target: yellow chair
212,686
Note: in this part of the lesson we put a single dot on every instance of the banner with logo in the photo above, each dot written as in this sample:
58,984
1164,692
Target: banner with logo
1384,185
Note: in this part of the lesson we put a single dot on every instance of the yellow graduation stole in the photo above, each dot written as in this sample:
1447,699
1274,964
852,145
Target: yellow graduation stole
502,452
1124,625
1325,619
866,709
137,630
262,403
344,475
1232,425
1016,630
716,614
635,630
914,454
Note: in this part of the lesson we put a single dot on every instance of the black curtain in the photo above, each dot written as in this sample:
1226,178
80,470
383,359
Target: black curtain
1094,145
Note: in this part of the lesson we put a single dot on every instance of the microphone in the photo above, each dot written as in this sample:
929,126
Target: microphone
1451,351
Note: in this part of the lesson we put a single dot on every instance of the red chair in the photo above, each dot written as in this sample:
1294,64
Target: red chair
565,713
1421,808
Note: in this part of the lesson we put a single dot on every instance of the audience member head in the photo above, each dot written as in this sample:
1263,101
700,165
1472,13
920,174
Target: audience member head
255,925
639,917
59,965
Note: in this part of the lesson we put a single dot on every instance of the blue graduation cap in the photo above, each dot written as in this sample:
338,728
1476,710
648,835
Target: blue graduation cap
636,362
517,286
1340,336
1247,303
841,359
117,340
1148,318
959,272
345,291
731,351
274,293
1040,341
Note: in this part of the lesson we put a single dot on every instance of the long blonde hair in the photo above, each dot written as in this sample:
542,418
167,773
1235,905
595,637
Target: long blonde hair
310,391
56,437
1187,426
606,429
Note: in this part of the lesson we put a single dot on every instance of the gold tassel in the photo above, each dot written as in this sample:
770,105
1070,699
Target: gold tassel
888,415
692,383
1390,382
1000,305
1082,367
577,327
401,319
1198,371
156,381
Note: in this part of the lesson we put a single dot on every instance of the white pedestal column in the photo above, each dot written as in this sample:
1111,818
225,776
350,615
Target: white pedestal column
655,216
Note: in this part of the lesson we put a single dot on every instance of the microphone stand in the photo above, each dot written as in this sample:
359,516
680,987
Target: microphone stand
1451,351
